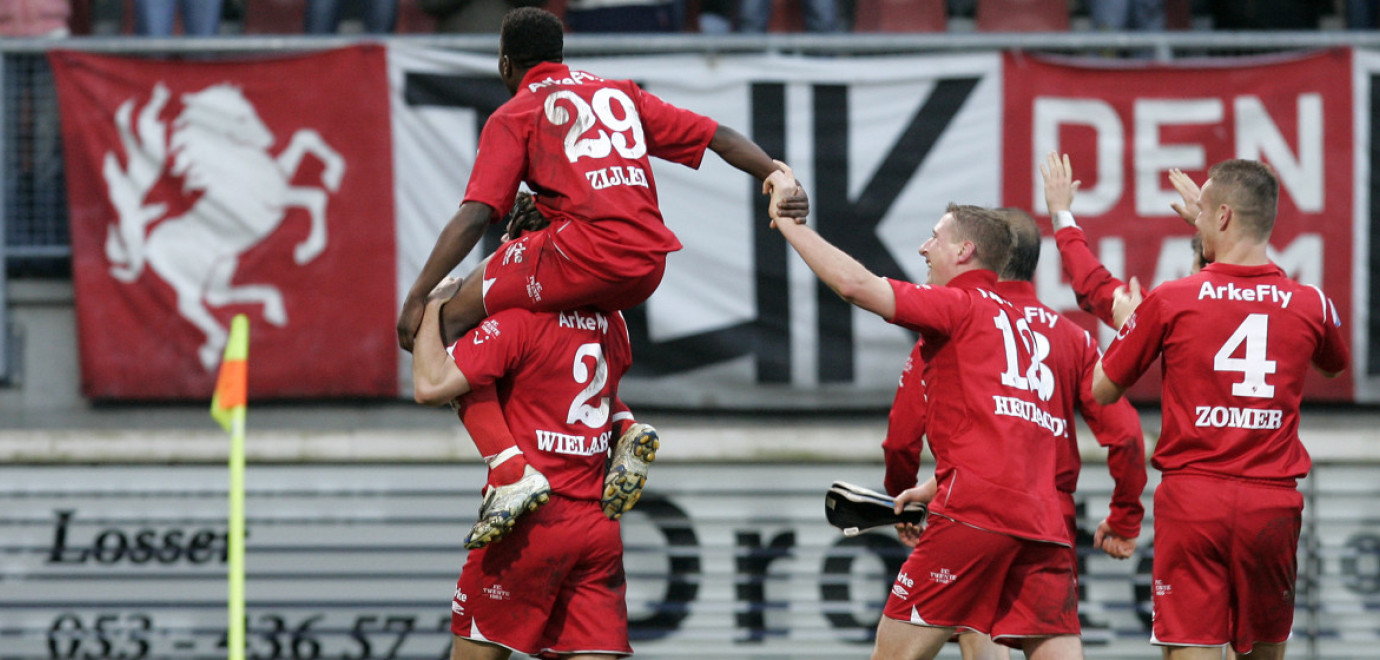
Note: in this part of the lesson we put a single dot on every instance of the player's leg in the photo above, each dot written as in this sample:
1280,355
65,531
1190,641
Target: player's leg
977,646
1194,653
1264,568
514,487
898,640
1038,604
464,649
629,462
466,308
1263,651
1059,647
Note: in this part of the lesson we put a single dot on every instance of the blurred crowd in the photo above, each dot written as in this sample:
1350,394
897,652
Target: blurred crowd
59,18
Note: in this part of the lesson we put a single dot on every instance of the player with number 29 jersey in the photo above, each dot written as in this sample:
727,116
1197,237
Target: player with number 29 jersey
582,143
1237,341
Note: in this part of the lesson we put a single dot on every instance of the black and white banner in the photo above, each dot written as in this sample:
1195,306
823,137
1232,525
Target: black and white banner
739,322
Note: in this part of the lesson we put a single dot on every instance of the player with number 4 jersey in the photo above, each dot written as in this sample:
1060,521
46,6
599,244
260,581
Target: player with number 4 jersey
1237,340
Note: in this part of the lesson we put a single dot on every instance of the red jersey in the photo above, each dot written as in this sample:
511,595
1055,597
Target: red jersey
905,426
1069,354
993,439
1092,283
556,375
1237,341
582,144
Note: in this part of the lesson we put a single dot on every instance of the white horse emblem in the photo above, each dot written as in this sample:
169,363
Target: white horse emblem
220,146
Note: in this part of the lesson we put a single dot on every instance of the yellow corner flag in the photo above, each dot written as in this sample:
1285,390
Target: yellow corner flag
232,387
229,406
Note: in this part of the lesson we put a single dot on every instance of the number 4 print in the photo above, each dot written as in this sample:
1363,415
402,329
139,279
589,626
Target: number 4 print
1253,332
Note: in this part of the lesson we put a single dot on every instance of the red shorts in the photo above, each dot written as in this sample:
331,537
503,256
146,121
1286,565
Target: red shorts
964,577
554,585
1226,557
531,272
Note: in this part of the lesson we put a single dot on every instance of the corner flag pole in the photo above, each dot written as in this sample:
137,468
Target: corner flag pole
229,406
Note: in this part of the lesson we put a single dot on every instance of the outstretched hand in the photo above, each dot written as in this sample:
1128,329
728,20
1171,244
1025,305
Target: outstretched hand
1115,545
409,320
1125,300
788,198
1059,184
1189,191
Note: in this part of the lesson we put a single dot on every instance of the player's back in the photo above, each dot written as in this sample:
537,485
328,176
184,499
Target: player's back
992,437
1064,354
583,143
556,375
1237,343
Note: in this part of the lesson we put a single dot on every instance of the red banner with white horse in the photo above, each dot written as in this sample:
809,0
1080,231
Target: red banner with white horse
198,190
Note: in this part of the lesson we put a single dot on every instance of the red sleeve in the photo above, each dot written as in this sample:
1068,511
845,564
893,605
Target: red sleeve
499,166
1116,427
1137,344
673,133
935,311
1332,355
905,429
491,349
1092,283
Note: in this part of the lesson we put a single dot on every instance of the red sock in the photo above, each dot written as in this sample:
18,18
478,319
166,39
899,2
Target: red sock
483,418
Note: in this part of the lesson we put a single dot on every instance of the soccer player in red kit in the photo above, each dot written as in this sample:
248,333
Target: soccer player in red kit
582,143
555,585
994,556
1070,354
1236,340
1066,355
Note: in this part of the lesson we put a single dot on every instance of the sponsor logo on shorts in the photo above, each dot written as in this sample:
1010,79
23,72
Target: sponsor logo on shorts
455,604
942,576
533,289
899,591
514,253
1162,588
905,579
497,592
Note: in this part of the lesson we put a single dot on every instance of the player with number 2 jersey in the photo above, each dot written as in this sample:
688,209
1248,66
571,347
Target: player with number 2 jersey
556,582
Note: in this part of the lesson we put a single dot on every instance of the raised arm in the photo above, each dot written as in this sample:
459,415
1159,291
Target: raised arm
1092,283
845,275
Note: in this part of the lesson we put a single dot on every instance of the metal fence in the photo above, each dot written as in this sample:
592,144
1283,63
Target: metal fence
358,561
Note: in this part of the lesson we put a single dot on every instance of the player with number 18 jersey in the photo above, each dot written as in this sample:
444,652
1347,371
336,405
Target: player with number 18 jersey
997,529
582,144
555,584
